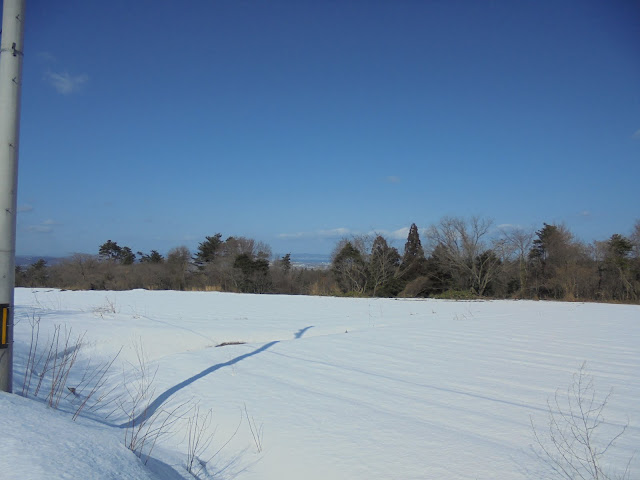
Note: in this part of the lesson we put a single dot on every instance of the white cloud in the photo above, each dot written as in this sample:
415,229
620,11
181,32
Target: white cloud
336,232
400,234
637,135
65,83
585,213
393,179
44,227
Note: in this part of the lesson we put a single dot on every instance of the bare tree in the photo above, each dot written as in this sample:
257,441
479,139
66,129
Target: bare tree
635,254
177,265
349,265
635,239
383,264
518,242
81,270
559,263
615,269
466,249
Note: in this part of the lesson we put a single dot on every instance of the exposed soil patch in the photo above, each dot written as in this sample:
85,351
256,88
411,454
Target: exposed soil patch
224,344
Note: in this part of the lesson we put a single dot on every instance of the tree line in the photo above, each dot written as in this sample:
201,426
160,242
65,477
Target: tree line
460,258
467,258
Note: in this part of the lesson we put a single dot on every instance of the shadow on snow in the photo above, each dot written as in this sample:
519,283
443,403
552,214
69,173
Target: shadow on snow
163,397
302,331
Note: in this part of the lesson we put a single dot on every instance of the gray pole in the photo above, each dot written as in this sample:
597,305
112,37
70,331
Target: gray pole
10,86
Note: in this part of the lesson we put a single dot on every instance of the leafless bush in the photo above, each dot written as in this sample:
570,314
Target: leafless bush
94,381
256,430
571,447
199,440
31,358
51,365
145,425
62,361
49,368
108,308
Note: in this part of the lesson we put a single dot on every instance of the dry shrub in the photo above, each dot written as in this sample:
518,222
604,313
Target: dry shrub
576,441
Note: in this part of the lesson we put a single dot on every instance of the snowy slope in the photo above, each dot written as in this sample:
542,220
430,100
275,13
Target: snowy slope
342,388
47,444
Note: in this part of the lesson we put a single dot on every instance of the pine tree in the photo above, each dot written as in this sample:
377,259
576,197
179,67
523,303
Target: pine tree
616,272
285,262
110,250
413,260
255,273
153,257
413,248
126,257
620,248
540,249
208,250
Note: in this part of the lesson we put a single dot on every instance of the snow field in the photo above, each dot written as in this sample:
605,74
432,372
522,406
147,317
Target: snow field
344,388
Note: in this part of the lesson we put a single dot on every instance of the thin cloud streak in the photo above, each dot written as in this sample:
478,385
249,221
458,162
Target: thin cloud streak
46,57
25,208
44,227
40,228
66,84
399,234
333,233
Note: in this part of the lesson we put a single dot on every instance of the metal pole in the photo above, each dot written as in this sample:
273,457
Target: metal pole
10,86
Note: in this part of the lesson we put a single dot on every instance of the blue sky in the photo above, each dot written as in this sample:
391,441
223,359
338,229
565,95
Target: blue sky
156,123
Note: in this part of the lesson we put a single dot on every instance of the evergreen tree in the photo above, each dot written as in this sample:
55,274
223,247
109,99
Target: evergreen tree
616,279
541,245
620,248
413,248
153,257
36,274
110,250
126,257
285,263
208,250
413,261
255,273
440,273
556,263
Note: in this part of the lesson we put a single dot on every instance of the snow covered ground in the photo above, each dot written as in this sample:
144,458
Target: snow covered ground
339,388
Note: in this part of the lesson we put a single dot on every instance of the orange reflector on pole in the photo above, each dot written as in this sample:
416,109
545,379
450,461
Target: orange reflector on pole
5,325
